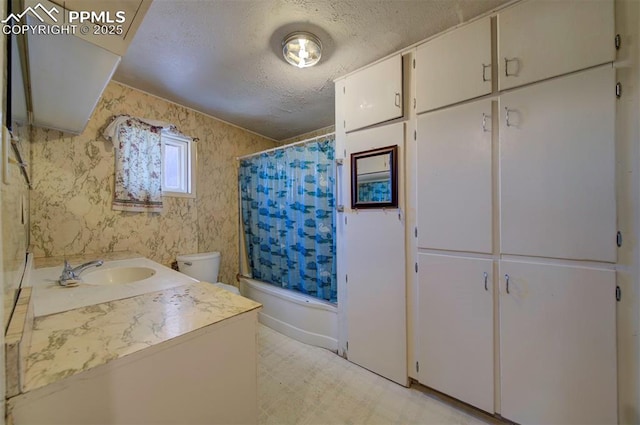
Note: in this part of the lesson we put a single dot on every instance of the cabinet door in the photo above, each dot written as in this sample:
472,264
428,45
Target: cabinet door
557,344
545,38
557,168
131,12
455,327
374,241
454,67
454,178
374,95
67,75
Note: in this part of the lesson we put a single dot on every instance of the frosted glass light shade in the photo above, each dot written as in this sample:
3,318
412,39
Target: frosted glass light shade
302,49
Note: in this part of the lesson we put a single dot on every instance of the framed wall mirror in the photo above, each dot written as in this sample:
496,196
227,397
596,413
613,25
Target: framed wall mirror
374,178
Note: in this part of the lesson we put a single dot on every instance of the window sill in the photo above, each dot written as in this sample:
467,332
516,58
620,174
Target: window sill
178,195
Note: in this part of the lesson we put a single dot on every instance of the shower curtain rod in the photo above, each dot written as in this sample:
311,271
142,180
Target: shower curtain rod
301,142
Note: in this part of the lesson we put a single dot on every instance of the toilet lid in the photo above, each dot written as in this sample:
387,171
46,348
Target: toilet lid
200,256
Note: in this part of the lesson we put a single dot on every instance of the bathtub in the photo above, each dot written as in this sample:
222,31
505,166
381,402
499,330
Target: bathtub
296,315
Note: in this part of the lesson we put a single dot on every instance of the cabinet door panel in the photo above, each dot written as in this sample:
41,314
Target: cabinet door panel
374,95
67,75
454,178
455,327
374,241
557,344
454,67
376,294
557,168
547,38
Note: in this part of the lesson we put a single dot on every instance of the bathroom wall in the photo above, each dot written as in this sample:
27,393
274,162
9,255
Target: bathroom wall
628,199
73,188
4,282
309,135
14,197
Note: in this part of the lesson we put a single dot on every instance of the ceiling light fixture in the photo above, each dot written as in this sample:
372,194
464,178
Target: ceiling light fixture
301,49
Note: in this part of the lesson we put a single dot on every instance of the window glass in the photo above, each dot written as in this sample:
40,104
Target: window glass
177,166
172,167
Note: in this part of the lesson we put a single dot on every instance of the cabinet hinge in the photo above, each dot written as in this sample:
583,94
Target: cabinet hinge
414,103
346,278
619,239
414,64
617,41
344,89
344,124
347,345
345,220
618,90
415,232
618,293
417,367
415,135
345,153
416,267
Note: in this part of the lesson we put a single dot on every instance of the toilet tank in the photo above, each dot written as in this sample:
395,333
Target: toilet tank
203,266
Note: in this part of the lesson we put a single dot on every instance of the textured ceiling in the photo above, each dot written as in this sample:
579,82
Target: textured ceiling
224,57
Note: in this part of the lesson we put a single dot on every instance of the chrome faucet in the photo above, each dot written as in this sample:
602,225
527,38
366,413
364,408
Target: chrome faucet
69,273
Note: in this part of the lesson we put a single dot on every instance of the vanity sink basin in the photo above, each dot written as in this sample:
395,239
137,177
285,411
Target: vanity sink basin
114,280
117,275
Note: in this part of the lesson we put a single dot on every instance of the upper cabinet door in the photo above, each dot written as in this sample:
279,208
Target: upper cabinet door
545,38
374,95
454,178
118,20
454,67
68,75
557,168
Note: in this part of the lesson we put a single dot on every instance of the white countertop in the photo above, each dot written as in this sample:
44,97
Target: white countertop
68,343
79,328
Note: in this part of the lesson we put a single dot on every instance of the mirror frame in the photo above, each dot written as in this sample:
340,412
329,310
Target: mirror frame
393,171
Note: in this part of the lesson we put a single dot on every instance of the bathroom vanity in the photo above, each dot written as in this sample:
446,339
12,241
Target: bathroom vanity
181,354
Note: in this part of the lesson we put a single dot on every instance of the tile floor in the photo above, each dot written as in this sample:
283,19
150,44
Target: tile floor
302,384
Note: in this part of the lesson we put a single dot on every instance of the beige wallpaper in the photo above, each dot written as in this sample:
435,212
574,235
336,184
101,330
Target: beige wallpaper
73,188
14,198
308,135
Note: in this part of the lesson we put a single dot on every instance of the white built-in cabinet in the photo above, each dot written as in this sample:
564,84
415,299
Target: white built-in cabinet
67,73
373,95
373,264
455,331
515,177
557,168
455,178
65,98
453,67
557,344
546,175
539,39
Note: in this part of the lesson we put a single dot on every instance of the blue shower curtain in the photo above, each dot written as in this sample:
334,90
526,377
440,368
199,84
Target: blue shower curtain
287,201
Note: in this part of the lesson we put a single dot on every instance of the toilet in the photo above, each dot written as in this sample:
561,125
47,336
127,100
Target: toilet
203,267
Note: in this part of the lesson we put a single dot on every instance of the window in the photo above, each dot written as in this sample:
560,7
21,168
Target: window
178,165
